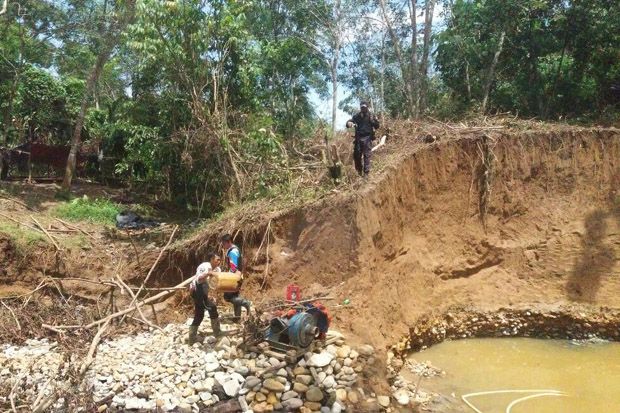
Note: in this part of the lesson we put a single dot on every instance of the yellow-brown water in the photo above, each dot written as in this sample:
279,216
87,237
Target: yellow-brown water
589,374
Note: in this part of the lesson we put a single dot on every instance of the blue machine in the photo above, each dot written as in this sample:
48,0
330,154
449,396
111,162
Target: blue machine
298,330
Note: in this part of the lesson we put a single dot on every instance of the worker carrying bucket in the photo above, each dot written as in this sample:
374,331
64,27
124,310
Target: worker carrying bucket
230,283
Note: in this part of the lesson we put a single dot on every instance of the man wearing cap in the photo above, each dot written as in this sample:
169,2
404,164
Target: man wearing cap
365,124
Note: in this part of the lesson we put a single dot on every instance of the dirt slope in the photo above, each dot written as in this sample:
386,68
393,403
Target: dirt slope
412,240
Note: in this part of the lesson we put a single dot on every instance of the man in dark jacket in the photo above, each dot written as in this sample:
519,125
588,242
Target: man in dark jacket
365,124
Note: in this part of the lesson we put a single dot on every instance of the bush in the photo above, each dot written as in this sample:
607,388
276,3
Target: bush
84,209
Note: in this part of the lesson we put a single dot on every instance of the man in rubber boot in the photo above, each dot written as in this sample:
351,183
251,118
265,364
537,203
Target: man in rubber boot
234,264
199,289
365,124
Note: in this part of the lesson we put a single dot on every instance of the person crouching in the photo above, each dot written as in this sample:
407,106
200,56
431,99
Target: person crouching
199,289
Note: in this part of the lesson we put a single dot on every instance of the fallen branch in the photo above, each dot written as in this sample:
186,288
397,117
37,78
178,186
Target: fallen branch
93,346
262,242
289,303
19,327
149,300
76,228
46,233
52,328
161,253
268,232
138,307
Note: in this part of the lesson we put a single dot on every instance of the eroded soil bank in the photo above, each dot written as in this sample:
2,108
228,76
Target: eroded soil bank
484,219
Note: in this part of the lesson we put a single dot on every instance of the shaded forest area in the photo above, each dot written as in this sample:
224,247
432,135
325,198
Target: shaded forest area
203,103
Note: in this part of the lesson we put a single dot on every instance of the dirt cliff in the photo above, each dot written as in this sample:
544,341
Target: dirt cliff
479,217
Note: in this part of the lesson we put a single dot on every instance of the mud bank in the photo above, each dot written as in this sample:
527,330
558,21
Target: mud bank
560,323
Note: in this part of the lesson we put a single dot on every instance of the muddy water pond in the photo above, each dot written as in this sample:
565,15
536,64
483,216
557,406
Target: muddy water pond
522,375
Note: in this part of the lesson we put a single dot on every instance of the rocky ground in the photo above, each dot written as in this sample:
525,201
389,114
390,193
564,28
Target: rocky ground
156,371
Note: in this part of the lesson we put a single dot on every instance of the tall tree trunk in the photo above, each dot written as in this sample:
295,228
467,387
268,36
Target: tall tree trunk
556,79
337,38
382,84
76,139
415,85
467,80
407,86
334,76
115,32
429,8
491,74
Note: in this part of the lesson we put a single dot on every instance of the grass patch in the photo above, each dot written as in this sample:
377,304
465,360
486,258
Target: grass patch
84,209
23,238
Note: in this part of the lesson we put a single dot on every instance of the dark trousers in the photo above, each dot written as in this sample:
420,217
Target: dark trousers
237,301
202,302
362,148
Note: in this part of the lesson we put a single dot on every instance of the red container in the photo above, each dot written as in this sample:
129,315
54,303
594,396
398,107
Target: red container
293,292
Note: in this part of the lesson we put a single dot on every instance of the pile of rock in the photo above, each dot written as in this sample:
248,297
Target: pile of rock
151,371
154,370
29,369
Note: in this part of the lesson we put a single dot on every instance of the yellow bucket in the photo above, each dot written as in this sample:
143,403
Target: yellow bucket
227,282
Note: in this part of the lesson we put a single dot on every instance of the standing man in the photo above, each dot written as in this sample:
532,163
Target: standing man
365,124
199,289
234,264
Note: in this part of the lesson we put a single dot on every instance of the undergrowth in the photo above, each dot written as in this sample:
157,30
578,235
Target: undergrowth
24,239
84,209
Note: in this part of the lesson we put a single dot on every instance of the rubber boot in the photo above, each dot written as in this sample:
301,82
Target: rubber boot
246,304
215,326
237,310
193,335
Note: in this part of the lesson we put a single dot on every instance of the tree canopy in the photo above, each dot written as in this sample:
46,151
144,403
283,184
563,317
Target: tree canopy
187,97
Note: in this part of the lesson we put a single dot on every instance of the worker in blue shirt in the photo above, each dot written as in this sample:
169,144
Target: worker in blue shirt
234,264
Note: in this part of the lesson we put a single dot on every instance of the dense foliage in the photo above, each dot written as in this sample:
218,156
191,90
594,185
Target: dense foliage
200,101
